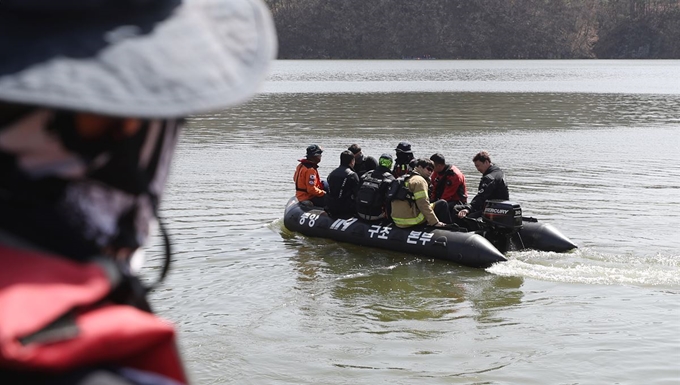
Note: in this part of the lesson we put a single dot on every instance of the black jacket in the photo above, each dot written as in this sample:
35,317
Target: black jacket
365,164
492,186
343,184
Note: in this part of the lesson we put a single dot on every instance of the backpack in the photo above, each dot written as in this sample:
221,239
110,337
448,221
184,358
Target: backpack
369,199
399,191
369,193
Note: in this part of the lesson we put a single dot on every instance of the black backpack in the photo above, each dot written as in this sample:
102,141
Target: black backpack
399,191
369,201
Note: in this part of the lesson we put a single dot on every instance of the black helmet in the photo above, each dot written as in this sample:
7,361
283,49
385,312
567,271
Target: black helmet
404,147
314,150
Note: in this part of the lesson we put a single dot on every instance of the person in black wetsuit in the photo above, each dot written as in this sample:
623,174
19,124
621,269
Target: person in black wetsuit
343,184
362,163
491,186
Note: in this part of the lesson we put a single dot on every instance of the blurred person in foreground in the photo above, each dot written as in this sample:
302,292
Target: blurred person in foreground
92,99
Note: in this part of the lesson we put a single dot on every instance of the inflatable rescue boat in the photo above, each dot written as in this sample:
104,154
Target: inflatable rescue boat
472,242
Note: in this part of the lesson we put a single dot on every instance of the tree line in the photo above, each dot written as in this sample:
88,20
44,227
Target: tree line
477,29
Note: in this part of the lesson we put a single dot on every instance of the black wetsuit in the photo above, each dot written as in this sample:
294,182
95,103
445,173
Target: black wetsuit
491,186
343,184
365,164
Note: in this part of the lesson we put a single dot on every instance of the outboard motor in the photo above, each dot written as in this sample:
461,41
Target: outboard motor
504,220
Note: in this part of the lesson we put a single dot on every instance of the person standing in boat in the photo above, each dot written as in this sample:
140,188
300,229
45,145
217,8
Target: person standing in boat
92,102
411,203
404,157
491,186
372,195
343,184
362,163
448,182
309,189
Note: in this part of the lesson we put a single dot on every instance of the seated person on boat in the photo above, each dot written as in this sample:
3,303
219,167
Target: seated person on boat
491,186
410,201
371,202
343,184
448,182
362,163
309,189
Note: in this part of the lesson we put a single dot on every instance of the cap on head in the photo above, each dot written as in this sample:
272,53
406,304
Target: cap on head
385,160
404,147
313,150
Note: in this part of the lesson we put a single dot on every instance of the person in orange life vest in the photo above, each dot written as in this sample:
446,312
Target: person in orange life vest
448,182
92,100
309,189
404,159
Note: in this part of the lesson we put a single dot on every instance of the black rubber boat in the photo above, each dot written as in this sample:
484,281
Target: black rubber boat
474,243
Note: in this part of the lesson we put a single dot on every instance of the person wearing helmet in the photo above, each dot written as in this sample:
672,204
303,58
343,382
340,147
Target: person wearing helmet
362,163
371,199
92,101
404,157
309,189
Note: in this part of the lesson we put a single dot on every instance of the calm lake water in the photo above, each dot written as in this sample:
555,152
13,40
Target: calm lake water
592,147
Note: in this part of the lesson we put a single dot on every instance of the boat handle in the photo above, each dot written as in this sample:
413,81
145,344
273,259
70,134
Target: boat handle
441,241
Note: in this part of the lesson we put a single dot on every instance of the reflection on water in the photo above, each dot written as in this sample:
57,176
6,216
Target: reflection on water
380,287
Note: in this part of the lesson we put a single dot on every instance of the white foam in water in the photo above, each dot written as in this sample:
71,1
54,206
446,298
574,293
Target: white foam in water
590,267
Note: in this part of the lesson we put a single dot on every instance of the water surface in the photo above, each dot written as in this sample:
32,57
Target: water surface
593,147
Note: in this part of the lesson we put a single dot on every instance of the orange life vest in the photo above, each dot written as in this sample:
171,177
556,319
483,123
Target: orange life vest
56,317
308,185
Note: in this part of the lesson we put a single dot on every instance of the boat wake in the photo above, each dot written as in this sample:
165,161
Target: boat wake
590,267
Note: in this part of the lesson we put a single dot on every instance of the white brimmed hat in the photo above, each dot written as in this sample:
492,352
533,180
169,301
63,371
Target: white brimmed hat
134,58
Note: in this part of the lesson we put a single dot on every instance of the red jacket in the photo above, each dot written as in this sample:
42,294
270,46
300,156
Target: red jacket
307,182
449,185
38,289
